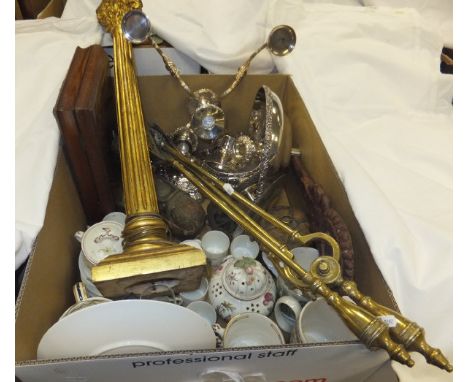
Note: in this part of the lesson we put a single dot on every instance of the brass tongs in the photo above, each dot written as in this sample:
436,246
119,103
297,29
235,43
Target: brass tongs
363,318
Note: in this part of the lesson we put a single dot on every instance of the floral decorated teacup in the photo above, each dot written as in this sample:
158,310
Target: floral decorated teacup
101,240
248,329
241,285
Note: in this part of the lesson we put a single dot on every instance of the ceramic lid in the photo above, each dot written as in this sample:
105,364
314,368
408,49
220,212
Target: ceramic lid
245,278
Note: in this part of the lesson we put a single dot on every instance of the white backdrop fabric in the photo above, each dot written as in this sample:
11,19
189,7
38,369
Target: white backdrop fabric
370,79
371,82
438,13
43,52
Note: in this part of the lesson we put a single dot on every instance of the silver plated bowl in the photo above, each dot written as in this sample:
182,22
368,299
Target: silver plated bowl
233,154
270,135
269,128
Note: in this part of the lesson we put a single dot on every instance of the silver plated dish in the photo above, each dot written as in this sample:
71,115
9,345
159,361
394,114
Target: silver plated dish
233,154
265,152
269,128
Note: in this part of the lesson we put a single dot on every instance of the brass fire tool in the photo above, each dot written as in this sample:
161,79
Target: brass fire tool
363,318
402,330
147,256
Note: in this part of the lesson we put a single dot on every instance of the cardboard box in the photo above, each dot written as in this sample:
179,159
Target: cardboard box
52,268
54,8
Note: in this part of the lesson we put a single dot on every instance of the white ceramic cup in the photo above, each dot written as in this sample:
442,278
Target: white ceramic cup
82,300
193,243
250,329
198,294
304,256
287,310
115,216
242,246
216,246
318,322
204,309
101,240
285,290
269,264
85,275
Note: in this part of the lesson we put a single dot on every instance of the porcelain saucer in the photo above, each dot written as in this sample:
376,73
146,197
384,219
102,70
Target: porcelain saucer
126,326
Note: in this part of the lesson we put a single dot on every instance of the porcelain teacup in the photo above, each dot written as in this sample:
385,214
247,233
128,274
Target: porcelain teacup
82,300
216,246
115,216
101,240
205,310
242,246
198,294
304,256
287,311
318,322
249,329
193,243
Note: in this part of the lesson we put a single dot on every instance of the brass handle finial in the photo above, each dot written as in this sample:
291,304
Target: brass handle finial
403,330
368,328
